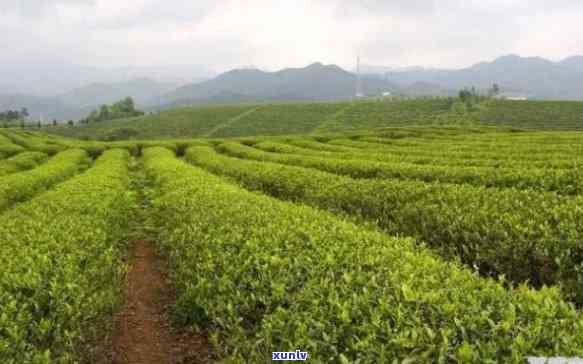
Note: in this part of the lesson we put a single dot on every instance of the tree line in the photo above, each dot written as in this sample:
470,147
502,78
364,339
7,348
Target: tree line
470,99
14,115
122,109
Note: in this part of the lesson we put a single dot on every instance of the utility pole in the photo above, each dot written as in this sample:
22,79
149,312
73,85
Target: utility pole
358,79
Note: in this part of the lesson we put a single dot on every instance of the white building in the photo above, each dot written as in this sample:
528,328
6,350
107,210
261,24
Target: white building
512,96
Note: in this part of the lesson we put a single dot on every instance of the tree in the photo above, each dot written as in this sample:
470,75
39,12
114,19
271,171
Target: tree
38,125
494,90
124,106
94,116
121,109
104,113
70,123
465,96
470,97
54,122
24,113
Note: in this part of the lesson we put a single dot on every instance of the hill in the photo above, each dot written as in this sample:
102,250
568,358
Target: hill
50,79
421,88
294,118
142,90
533,76
78,103
314,82
574,63
177,123
45,108
263,119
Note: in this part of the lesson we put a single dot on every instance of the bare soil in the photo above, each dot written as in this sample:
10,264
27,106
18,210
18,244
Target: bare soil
143,333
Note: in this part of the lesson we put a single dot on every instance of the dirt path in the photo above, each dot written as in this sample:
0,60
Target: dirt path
142,331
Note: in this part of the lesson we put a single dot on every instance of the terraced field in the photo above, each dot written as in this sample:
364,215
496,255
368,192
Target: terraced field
322,118
392,245
540,114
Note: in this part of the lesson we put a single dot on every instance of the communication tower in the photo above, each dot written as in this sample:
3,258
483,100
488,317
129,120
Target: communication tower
359,92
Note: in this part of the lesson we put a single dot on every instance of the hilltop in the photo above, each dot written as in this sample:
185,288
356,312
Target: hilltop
534,77
295,118
313,82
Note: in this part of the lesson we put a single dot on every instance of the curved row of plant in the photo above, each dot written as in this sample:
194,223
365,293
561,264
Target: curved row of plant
524,235
284,276
288,147
492,155
61,265
7,148
33,142
500,142
135,147
569,182
21,186
51,144
351,147
22,162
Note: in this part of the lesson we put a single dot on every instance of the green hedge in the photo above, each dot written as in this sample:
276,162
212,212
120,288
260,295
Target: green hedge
522,234
265,275
61,265
18,187
464,154
34,142
375,155
21,162
7,148
563,181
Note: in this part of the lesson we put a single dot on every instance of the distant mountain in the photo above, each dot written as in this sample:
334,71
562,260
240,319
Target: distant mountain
314,82
71,92
54,78
532,76
142,90
78,103
381,70
574,63
68,91
41,108
421,88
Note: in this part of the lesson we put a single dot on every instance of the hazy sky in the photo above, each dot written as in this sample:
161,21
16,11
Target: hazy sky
275,34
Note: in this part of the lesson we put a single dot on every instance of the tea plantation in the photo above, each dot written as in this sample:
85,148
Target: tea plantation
372,232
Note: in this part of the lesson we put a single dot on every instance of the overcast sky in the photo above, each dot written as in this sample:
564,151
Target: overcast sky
276,34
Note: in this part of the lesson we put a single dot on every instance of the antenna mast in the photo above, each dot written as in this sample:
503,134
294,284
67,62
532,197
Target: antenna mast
358,79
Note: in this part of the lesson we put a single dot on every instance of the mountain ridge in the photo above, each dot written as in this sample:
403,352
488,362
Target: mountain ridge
313,82
534,77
